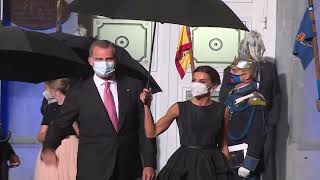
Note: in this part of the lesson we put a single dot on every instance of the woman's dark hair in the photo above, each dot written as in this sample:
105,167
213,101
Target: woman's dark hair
213,74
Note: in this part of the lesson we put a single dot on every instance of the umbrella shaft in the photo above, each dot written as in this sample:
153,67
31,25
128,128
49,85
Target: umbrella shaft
59,14
151,54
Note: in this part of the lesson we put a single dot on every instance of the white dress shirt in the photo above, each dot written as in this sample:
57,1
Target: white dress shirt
100,83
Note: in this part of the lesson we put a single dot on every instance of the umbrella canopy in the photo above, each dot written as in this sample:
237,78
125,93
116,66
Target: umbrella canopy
80,44
35,57
125,63
196,13
134,69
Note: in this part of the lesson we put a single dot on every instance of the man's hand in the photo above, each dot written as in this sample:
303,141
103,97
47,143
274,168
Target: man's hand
318,104
148,173
49,157
14,161
243,172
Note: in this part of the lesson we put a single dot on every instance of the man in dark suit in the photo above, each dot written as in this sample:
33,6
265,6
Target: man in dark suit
7,154
112,142
267,77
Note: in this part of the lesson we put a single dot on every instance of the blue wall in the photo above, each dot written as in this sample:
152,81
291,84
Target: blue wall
23,104
22,110
311,120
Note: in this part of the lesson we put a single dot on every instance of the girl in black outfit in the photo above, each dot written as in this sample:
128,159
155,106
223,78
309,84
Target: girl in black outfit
54,93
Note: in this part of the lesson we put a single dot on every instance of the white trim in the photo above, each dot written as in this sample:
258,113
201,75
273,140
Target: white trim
239,100
239,147
1,10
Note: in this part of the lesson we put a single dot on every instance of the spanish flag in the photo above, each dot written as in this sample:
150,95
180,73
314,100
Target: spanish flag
184,55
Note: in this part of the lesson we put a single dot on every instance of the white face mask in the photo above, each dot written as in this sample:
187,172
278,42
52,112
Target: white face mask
46,94
199,89
103,68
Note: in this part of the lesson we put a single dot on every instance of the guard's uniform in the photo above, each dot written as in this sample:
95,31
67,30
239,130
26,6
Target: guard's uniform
247,125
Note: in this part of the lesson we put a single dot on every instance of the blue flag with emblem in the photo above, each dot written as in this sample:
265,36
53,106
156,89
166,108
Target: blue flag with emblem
303,45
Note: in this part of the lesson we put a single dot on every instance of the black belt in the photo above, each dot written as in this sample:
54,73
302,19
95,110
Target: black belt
200,147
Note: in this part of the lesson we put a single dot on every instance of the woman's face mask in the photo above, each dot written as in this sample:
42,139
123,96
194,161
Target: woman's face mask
103,69
199,89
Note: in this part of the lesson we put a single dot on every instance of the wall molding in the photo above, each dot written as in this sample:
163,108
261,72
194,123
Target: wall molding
237,1
24,141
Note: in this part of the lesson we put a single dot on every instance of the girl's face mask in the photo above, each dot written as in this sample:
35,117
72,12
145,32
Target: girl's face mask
49,97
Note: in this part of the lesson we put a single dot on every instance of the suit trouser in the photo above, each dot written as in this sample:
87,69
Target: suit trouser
4,170
269,160
118,175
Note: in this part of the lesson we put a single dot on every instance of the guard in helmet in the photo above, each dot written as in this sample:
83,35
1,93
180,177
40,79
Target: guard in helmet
253,46
247,125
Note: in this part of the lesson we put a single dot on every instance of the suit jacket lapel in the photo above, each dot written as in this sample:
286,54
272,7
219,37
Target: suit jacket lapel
124,100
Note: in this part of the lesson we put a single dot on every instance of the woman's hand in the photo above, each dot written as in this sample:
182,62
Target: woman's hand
49,157
146,97
14,161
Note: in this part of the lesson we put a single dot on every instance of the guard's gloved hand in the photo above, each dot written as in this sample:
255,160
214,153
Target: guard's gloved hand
243,172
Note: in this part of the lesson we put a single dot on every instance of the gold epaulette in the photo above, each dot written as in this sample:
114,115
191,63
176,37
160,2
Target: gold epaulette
257,100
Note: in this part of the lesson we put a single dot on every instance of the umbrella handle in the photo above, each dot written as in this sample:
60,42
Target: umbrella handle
148,99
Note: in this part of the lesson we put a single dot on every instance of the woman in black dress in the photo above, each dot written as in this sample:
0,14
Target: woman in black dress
203,125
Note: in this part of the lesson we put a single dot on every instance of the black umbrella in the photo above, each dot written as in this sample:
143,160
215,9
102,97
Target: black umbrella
80,44
125,63
196,13
35,57
200,13
135,69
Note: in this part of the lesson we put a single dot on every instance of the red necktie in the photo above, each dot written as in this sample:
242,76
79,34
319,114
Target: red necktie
110,105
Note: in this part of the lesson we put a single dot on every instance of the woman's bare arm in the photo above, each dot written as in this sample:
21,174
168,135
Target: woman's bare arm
224,135
154,129
42,133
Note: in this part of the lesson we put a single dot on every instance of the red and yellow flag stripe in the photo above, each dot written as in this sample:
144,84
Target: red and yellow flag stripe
184,55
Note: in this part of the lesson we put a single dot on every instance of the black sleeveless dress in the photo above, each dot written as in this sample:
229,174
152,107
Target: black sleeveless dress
198,158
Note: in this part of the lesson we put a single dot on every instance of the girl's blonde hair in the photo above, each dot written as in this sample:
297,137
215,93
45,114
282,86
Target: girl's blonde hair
62,85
